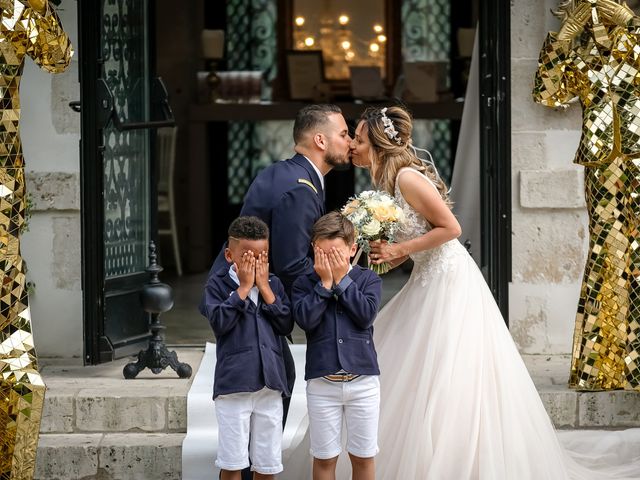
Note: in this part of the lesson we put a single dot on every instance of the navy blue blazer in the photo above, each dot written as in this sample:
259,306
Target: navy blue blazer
288,197
338,323
248,346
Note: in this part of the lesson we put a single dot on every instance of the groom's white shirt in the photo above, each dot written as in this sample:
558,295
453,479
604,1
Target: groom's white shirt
320,176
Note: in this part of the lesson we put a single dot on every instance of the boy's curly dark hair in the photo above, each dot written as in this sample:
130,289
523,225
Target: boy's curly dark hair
248,228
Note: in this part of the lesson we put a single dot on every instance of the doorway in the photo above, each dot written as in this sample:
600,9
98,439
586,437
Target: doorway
214,161
212,187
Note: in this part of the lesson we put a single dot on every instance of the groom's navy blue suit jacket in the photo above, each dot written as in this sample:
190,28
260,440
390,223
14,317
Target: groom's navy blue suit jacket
288,197
338,323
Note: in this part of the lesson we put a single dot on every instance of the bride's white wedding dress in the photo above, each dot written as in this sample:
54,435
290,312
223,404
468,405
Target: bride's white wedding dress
457,402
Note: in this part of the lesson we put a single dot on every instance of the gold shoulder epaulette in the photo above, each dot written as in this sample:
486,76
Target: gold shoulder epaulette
309,184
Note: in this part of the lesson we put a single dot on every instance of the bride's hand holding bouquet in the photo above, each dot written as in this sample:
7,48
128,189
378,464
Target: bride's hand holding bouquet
376,217
383,252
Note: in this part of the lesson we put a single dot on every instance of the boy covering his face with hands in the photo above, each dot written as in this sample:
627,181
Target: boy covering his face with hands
336,306
248,311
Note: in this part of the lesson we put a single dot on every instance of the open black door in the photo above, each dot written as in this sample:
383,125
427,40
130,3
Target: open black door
118,206
495,145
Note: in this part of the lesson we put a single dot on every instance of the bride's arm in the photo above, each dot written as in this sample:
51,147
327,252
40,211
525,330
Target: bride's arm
426,200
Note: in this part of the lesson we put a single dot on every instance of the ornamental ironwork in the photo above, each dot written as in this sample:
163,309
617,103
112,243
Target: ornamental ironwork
126,162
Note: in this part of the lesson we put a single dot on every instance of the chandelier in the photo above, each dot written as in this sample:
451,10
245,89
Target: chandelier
342,46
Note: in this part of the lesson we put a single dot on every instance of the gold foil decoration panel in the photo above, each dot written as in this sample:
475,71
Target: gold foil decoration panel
23,32
596,59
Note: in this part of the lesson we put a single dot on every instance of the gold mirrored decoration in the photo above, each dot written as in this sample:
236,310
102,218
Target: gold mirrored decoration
24,31
594,58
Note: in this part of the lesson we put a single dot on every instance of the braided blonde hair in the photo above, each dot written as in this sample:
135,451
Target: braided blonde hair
389,153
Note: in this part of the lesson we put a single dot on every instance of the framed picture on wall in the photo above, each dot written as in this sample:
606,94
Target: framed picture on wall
366,83
305,73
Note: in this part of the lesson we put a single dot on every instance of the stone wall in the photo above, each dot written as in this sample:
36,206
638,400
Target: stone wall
50,133
549,218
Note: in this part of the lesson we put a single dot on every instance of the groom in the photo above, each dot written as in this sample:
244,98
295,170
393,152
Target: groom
289,197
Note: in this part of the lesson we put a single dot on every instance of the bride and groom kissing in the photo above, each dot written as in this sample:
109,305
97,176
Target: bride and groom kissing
456,400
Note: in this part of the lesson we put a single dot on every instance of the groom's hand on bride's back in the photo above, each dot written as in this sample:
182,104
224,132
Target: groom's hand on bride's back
322,267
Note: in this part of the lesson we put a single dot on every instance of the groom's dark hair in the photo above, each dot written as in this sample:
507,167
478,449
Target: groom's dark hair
311,117
248,228
334,225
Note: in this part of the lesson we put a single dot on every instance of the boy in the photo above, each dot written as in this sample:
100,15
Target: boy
248,311
336,306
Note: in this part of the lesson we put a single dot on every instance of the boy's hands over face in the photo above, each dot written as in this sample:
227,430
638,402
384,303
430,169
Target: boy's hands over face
322,267
339,264
246,274
262,270
262,278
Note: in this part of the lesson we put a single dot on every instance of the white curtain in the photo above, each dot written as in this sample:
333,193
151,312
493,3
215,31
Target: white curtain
465,180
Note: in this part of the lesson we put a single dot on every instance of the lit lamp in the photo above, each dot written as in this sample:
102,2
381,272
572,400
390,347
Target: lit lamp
376,46
299,33
212,51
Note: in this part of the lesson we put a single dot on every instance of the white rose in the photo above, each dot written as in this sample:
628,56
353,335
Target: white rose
386,200
373,204
371,228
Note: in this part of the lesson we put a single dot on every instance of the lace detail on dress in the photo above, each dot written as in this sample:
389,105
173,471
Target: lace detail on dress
428,263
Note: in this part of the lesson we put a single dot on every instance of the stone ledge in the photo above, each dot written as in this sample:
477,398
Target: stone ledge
561,405
580,410
616,409
67,456
134,409
140,456
109,456
590,410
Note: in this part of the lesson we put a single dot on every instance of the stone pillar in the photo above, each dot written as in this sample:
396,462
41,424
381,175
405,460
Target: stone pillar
549,223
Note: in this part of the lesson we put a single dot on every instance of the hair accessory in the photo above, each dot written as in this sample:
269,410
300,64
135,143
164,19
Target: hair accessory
389,129
429,162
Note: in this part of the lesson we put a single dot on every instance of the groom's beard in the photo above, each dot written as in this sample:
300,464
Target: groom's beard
337,162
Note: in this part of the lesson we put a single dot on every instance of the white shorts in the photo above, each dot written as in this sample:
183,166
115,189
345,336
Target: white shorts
357,402
250,425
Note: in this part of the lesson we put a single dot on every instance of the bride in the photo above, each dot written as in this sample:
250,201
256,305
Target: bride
457,401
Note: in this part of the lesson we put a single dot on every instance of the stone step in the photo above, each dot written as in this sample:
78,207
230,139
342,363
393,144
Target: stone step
98,399
98,425
164,410
110,456
130,408
569,409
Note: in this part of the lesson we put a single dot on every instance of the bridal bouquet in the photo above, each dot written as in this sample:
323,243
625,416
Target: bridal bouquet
375,216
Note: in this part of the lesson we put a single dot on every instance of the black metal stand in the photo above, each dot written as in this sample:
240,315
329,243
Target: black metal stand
156,298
